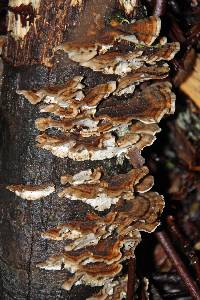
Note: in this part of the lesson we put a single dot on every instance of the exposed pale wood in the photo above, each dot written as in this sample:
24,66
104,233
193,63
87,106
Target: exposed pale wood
191,86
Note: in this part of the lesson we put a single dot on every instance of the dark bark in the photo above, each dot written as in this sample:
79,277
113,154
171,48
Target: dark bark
22,222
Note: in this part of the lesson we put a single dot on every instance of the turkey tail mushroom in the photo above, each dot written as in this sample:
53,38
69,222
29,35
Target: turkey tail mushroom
106,110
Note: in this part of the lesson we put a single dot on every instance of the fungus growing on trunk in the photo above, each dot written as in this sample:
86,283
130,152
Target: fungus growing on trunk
103,111
113,119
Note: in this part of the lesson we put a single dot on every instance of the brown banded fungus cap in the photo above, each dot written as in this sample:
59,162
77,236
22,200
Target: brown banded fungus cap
32,192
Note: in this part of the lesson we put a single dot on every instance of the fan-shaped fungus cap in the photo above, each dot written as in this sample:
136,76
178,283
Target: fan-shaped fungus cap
32,192
107,192
148,105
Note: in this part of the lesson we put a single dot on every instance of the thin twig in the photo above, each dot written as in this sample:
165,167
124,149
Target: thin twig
179,265
184,244
143,295
160,8
131,279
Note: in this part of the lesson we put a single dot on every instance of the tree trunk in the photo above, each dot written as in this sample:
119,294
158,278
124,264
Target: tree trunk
48,61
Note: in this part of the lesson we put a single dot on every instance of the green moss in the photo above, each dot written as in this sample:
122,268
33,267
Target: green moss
119,17
169,165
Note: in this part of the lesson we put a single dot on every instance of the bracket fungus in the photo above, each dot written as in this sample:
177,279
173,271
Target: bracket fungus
32,192
102,194
115,290
107,119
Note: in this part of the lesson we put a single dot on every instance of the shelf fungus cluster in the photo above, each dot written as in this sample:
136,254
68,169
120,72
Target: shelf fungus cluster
114,119
97,247
96,123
